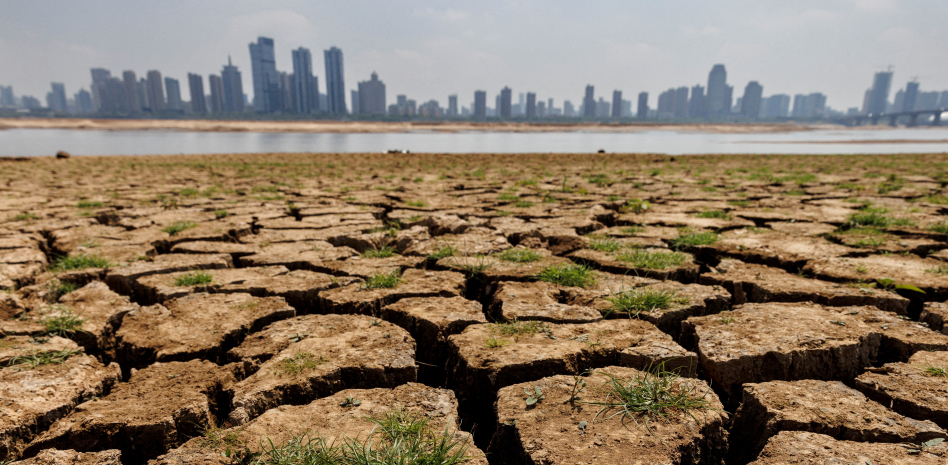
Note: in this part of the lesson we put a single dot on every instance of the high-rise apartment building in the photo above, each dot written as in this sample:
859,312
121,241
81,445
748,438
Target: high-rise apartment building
642,107
354,99
878,94
815,105
335,81
267,94
6,97
99,76
506,97
130,82
568,109
698,104
232,88
910,97
286,92
453,105
719,99
173,89
372,96
775,106
217,93
196,89
156,92
480,104
589,102
56,100
305,87
680,107
531,110
143,94
616,103
750,103
84,102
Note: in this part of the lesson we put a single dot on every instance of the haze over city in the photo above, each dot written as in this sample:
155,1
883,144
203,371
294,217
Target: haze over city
429,51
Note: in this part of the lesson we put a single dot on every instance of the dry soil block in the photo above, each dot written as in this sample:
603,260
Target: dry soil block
159,408
337,352
538,301
197,326
798,447
904,269
935,314
355,299
759,283
476,371
158,288
71,457
123,279
557,431
274,255
915,389
333,419
101,312
825,407
32,399
771,248
620,263
777,341
300,288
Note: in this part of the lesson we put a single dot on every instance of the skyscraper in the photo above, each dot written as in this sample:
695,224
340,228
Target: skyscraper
680,107
879,93
305,88
750,103
911,96
531,110
286,92
335,83
99,76
506,97
642,109
156,93
453,105
84,102
616,103
6,96
56,100
480,104
719,103
196,89
143,94
698,105
173,88
217,93
589,103
267,94
130,81
232,88
372,96
355,101
775,106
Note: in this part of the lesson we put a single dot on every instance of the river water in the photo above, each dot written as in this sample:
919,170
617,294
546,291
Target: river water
45,142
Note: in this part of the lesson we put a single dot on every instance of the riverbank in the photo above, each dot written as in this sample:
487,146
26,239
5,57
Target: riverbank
384,126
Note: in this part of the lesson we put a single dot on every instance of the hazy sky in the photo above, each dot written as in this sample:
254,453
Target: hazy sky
429,49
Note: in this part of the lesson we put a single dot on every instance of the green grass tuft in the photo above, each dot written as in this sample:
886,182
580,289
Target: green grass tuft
519,256
635,301
64,325
694,240
25,216
939,227
299,363
38,359
719,214
383,280
606,244
523,204
569,274
178,227
381,252
88,204
79,262
444,251
195,278
517,328
932,370
653,259
58,289
220,214
508,197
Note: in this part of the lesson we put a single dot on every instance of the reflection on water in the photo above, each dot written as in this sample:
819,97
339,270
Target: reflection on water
39,142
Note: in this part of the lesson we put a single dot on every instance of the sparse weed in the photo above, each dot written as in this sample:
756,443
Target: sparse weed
718,214
444,251
494,343
65,324
932,370
193,278
569,274
632,230
606,244
179,226
214,436
653,259
379,252
383,280
637,206
534,396
58,289
939,227
220,214
518,255
79,262
25,216
37,359
523,204
508,197
299,363
517,328
940,269
417,203
693,240
634,301
88,204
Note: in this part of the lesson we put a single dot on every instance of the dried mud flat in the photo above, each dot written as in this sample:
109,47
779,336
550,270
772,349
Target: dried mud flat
494,309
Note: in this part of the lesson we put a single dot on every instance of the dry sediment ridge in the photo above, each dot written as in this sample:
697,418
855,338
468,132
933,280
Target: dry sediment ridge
169,309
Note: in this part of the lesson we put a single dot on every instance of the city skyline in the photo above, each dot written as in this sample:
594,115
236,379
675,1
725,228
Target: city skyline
415,54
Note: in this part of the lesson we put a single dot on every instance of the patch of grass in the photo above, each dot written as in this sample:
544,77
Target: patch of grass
215,436
740,203
632,230
494,343
605,244
58,289
653,259
88,204
940,269
694,240
65,324
25,216
569,274
299,363
637,206
79,262
380,252
523,204
220,214
938,199
519,256
869,241
632,302
444,251
891,184
932,370
517,328
178,227
868,216
383,280
417,203
939,227
718,214
653,395
194,278
189,192
38,359
508,197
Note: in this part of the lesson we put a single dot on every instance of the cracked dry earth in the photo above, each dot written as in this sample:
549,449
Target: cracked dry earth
220,309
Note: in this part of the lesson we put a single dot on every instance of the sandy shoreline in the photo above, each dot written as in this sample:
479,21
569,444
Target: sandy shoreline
380,127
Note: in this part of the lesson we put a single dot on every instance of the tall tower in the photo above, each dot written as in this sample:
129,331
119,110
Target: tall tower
616,103
156,93
173,87
589,102
531,110
196,88
642,110
232,88
911,96
480,104
267,94
750,103
335,83
719,102
217,93
453,105
130,81
506,96
371,96
879,94
305,90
